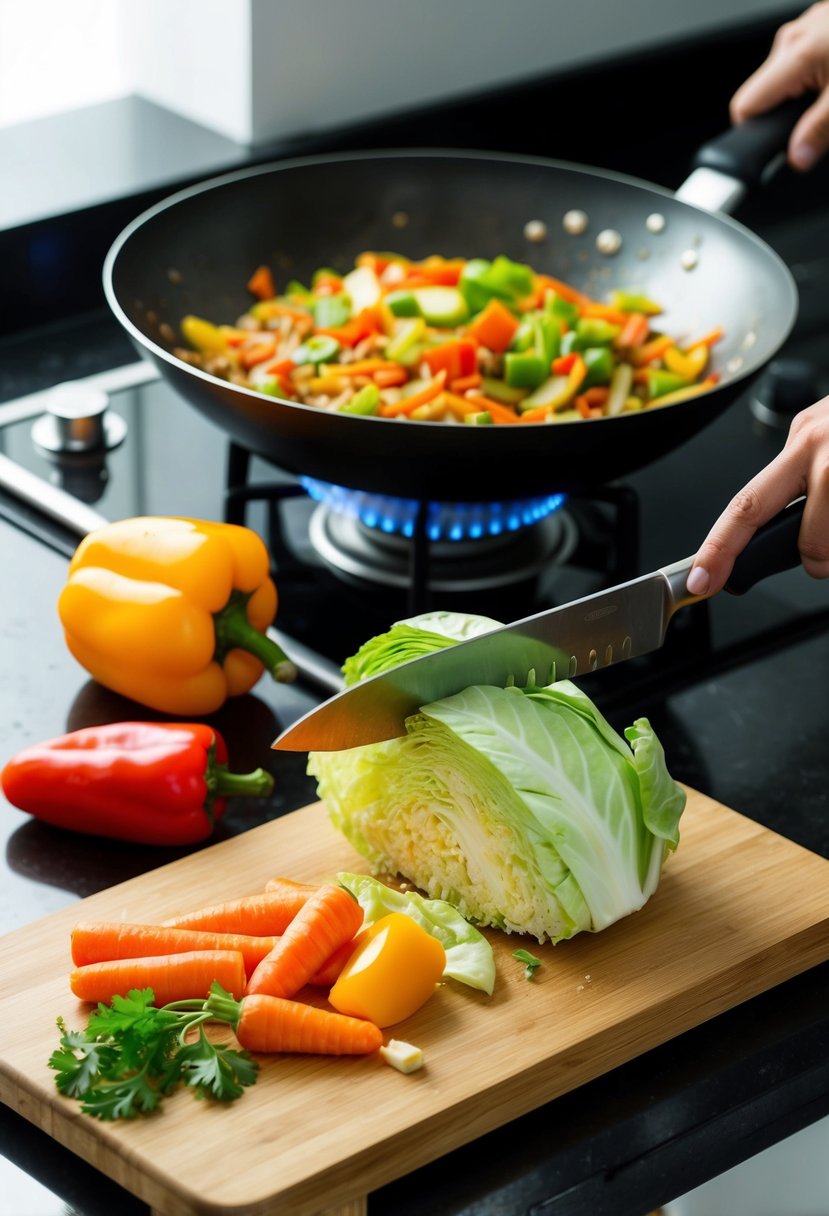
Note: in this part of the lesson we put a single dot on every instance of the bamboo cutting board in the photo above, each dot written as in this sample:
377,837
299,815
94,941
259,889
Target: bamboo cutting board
739,910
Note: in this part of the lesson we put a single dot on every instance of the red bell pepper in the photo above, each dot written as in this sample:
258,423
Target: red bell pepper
158,783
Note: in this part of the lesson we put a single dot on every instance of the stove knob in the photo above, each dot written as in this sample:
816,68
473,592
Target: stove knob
78,420
788,386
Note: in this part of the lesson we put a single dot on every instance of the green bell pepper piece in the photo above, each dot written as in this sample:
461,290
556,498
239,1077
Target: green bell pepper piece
600,364
635,301
557,306
365,401
547,337
525,369
403,304
482,418
661,382
594,331
501,278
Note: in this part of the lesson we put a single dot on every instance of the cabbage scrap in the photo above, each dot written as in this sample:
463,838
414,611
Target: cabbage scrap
522,808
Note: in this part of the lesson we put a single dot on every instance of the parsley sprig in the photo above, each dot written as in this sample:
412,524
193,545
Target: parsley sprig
133,1053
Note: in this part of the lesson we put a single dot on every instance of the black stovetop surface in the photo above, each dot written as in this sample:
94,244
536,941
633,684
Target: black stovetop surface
738,698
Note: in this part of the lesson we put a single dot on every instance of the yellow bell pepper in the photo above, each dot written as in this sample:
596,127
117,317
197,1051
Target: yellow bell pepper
173,612
392,972
690,364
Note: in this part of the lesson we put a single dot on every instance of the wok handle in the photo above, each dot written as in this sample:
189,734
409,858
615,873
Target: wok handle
772,549
749,152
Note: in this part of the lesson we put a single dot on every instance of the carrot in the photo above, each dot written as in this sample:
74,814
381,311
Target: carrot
652,350
365,367
172,977
457,358
604,312
362,326
264,915
329,972
546,282
261,283
597,395
328,918
635,330
270,1023
278,883
494,327
390,377
103,941
539,414
408,404
498,411
257,352
710,339
463,383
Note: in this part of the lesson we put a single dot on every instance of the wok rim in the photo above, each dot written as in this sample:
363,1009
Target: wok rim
748,370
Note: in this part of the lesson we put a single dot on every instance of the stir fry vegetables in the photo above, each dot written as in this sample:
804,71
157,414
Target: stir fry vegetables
452,340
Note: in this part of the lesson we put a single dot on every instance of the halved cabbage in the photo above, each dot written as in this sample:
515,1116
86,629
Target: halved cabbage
521,807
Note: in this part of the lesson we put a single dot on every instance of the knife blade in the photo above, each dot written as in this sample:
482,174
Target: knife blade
566,642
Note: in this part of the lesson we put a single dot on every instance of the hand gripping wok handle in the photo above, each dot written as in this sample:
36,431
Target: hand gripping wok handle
772,549
750,151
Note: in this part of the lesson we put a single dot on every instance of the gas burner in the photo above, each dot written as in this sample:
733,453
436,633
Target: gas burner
445,521
366,554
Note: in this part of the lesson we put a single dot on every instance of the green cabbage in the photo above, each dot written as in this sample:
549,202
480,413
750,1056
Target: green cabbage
523,808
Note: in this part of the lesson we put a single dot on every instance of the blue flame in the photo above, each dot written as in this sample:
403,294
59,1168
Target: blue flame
444,521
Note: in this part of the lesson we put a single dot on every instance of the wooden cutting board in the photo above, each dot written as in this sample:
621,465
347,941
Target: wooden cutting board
739,910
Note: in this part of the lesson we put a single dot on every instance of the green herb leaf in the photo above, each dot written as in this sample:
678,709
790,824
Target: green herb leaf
215,1070
531,962
132,1054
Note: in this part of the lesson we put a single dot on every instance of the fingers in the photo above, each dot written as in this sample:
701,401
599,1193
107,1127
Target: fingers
810,138
798,63
763,497
801,468
814,531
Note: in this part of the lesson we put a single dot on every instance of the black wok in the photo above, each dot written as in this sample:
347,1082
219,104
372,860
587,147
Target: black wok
194,252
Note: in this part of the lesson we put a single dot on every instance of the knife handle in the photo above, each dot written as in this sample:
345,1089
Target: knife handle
773,548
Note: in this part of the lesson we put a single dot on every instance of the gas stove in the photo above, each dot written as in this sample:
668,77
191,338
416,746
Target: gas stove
348,564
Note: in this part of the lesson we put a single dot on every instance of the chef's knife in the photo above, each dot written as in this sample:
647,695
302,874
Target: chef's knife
563,643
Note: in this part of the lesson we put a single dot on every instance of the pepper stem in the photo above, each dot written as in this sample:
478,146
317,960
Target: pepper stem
234,631
223,784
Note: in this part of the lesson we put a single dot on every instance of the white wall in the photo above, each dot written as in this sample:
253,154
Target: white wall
257,70
317,64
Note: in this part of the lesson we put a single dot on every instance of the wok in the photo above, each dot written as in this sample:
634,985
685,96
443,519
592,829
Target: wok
194,252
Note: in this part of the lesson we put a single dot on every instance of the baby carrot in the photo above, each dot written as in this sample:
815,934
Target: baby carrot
329,972
266,914
330,917
172,977
270,1023
103,941
278,883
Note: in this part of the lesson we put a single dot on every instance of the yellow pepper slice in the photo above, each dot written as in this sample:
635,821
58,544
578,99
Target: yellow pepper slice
690,364
392,972
172,612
